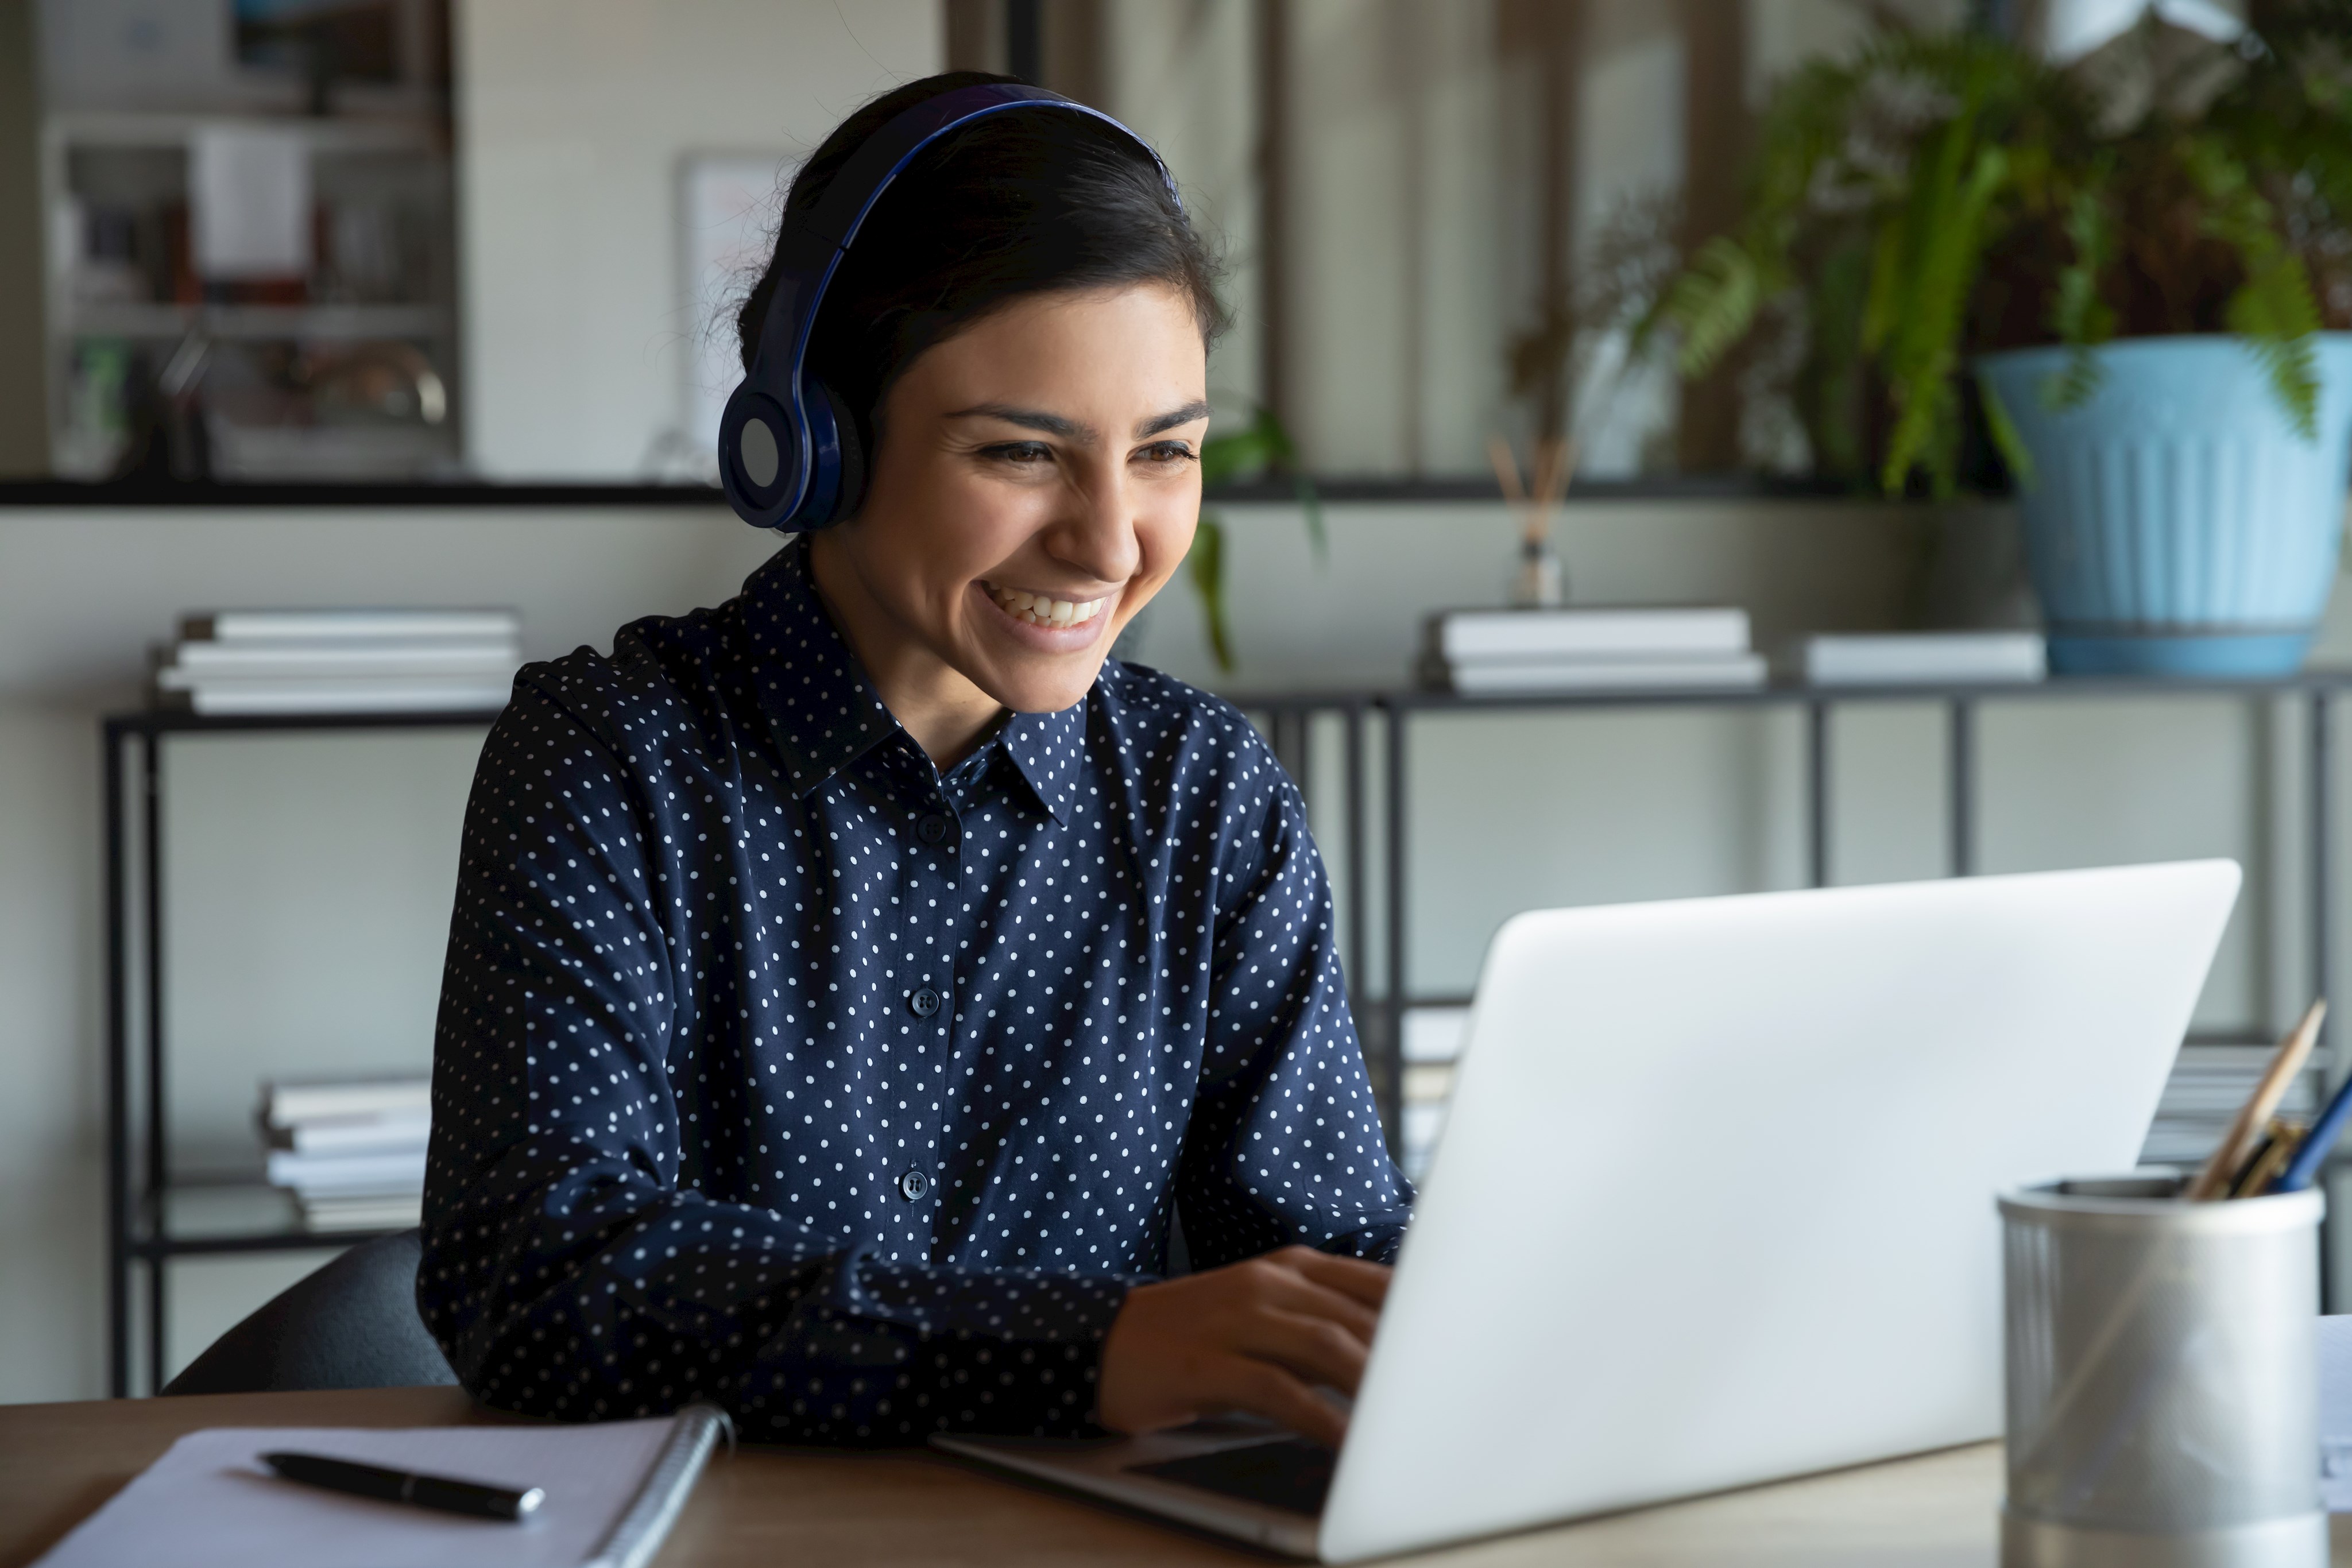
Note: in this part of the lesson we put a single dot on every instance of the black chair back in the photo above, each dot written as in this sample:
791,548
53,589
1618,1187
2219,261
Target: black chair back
353,1324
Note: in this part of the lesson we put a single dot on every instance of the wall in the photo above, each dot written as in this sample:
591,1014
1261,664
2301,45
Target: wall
312,875
572,116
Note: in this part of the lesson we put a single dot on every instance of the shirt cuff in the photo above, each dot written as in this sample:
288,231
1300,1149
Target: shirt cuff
884,1353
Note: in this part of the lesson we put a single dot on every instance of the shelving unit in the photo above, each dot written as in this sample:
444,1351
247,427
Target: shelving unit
152,1218
152,1214
356,378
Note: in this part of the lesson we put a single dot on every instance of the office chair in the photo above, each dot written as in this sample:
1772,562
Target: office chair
353,1324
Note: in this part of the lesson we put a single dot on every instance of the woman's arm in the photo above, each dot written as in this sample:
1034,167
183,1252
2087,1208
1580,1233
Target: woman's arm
1284,1165
574,1265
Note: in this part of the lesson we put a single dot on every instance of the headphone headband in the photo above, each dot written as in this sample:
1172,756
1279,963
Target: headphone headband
787,449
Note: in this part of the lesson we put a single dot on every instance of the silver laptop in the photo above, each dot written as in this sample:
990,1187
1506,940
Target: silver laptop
1713,1204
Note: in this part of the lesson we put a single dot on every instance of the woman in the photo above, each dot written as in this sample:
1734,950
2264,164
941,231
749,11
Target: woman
850,986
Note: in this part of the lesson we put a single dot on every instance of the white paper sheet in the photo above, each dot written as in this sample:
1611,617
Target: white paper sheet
210,1502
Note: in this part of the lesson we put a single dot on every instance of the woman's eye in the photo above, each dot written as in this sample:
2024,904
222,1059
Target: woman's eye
1167,452
1019,452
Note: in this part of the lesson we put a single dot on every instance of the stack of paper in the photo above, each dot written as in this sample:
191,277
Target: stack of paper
1493,651
343,661
353,1151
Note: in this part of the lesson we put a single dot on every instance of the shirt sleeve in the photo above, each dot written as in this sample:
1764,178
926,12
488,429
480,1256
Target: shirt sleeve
1285,1144
574,1266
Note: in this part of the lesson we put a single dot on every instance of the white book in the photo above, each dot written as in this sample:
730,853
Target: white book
1723,673
1923,658
387,1174
374,1134
316,625
288,1104
387,657
1463,636
363,1214
349,694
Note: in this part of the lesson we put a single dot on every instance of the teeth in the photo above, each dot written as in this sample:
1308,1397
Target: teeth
1044,610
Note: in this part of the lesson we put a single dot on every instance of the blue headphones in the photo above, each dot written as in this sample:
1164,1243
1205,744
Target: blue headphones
788,451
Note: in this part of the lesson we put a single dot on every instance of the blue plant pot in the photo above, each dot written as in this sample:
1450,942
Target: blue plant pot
2177,524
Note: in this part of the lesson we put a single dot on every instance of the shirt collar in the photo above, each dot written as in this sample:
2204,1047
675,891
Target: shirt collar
1045,748
820,706
824,711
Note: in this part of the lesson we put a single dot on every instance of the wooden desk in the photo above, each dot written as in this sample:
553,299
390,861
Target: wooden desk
768,1506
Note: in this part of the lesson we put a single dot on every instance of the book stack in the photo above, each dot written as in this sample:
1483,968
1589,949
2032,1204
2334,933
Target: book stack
352,1151
343,661
1433,1043
1493,652
1922,658
2209,1083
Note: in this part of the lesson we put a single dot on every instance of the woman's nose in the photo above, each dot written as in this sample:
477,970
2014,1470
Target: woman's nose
1096,534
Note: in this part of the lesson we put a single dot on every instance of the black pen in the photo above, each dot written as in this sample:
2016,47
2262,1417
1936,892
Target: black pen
446,1493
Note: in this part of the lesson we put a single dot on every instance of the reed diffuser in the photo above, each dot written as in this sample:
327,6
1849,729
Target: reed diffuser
1538,582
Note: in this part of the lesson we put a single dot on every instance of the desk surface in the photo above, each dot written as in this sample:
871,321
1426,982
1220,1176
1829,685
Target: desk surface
765,1506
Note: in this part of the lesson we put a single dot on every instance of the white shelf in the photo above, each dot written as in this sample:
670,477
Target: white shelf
330,134
248,322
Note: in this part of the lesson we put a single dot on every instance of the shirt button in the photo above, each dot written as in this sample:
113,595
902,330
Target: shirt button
925,1001
933,829
914,1183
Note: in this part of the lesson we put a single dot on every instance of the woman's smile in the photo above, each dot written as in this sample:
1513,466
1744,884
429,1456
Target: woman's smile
1041,623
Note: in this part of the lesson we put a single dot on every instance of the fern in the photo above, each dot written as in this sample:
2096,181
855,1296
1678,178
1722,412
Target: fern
2078,315
2273,308
1714,304
1922,157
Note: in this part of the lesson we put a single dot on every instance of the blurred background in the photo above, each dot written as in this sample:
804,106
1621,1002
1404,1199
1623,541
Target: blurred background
414,240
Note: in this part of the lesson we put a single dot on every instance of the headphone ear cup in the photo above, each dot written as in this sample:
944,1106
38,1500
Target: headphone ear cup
852,447
838,461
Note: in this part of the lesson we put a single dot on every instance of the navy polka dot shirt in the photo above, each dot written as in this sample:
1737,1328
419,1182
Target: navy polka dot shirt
776,1068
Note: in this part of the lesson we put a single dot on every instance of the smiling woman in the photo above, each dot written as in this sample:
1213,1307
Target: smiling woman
853,987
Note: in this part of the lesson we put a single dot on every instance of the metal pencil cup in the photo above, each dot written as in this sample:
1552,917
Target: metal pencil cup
2163,1379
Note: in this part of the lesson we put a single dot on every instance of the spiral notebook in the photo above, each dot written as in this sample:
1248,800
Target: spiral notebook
613,1492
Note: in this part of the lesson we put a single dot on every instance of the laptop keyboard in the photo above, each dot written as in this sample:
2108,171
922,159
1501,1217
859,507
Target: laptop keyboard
1286,1473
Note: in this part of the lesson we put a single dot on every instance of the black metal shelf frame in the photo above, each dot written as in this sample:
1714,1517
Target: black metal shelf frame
138,1160
138,1170
1289,719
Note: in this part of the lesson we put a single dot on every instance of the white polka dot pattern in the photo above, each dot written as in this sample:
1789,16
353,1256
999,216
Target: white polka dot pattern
775,1069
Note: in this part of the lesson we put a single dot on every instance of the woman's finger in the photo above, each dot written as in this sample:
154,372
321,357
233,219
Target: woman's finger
1352,1277
1316,1349
1264,1389
1285,1290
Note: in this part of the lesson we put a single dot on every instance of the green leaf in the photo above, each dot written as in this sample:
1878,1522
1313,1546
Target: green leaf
1206,566
2274,309
1713,304
2005,438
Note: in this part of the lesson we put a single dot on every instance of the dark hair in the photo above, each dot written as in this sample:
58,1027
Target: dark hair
1023,203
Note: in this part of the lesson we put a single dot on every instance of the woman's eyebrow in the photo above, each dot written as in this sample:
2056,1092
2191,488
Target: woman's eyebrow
1170,420
1028,418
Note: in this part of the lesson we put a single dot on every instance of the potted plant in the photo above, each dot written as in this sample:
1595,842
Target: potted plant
2132,276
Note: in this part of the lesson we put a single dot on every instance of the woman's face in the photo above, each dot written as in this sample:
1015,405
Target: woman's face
1037,478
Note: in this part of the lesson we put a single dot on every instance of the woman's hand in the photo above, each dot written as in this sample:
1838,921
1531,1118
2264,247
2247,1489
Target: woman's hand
1255,1335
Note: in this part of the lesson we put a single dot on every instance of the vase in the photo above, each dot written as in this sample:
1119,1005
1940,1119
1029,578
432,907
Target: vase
2176,522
